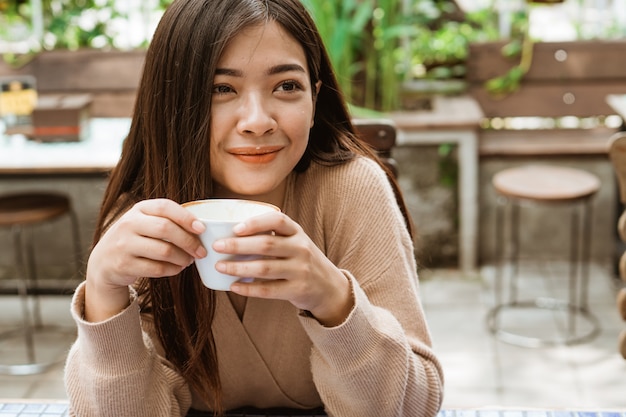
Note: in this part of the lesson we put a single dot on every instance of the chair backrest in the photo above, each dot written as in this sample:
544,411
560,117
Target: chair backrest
380,134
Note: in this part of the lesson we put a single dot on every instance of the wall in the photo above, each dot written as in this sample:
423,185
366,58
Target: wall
432,202
545,231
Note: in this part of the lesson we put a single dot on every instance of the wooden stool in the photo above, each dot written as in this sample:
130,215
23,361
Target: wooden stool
20,212
546,185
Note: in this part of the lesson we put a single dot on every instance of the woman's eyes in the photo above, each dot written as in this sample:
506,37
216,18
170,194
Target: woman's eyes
222,89
285,86
290,85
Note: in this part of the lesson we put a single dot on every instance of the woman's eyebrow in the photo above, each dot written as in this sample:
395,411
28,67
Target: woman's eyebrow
276,69
229,71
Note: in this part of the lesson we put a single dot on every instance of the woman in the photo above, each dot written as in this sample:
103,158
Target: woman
238,100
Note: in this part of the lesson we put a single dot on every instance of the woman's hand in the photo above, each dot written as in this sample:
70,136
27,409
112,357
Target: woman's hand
293,268
155,238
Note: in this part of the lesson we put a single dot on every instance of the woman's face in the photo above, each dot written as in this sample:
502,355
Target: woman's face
262,111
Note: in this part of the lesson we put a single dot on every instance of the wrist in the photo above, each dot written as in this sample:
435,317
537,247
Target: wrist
104,301
339,307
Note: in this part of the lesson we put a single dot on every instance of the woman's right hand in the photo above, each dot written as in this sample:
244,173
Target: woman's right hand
155,238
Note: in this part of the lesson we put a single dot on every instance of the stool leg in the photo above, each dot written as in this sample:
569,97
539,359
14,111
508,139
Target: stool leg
515,223
579,262
23,292
574,267
586,252
499,250
32,276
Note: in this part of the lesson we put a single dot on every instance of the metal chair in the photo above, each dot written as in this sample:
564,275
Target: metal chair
546,185
21,212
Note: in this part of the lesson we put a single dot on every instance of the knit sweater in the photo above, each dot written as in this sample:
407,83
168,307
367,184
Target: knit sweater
379,362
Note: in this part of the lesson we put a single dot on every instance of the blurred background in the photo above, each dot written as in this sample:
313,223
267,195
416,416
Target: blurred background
536,72
472,87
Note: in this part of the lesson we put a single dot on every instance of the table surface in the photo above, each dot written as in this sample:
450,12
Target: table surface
448,113
51,408
99,152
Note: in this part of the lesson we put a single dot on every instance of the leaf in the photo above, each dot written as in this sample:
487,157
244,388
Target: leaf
512,49
507,83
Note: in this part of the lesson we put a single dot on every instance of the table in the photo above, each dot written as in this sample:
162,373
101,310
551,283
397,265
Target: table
454,120
97,154
51,408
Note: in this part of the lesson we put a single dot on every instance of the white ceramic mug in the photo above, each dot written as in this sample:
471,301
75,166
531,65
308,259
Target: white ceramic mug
220,216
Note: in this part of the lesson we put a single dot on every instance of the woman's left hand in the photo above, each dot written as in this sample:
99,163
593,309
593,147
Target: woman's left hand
292,268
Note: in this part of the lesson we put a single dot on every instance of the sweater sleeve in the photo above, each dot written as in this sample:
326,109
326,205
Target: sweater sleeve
379,361
113,369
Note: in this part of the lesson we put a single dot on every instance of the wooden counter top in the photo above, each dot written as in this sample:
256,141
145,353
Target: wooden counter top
98,153
448,113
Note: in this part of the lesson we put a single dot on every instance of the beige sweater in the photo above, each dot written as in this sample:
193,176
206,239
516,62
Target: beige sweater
377,363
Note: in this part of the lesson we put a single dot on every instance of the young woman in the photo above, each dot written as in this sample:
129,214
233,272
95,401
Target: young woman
238,100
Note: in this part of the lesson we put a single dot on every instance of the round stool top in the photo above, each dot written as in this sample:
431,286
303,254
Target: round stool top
546,183
35,207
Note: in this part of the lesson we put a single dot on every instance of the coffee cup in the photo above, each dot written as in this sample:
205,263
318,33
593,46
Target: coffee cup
219,216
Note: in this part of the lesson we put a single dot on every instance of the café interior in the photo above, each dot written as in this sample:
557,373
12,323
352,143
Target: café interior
528,316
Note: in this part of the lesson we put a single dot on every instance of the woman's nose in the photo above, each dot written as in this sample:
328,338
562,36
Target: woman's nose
256,117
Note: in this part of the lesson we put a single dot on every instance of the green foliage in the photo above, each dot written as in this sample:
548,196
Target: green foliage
68,24
438,49
521,45
363,38
375,45
342,25
378,45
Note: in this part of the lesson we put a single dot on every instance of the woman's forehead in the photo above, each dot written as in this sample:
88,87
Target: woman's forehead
262,44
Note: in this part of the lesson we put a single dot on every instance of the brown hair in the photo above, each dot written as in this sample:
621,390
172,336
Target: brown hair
166,154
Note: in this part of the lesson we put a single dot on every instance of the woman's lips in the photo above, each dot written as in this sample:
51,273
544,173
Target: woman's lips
255,154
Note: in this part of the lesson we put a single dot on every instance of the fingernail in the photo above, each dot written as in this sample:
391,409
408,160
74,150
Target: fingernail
239,228
220,267
219,245
198,226
201,252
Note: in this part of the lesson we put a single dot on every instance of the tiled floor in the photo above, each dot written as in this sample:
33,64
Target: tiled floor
480,371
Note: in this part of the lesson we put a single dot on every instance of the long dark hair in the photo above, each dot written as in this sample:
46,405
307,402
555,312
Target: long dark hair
166,154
